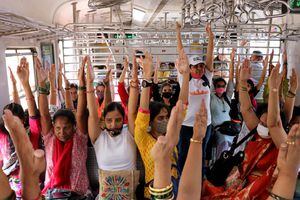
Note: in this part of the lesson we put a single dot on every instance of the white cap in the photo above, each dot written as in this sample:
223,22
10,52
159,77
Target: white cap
196,59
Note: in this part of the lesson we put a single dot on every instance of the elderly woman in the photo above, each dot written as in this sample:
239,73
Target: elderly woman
65,142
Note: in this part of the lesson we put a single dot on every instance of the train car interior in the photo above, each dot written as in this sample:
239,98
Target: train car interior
116,40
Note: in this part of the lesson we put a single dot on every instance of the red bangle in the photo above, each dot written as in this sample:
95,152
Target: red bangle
144,111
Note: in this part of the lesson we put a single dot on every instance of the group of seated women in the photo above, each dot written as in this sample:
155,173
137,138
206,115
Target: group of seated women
173,127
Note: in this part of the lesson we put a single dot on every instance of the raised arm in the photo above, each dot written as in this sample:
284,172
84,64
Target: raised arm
230,85
184,69
288,163
59,83
43,100
271,66
231,65
121,85
147,75
237,74
68,99
32,163
133,97
81,113
15,94
94,129
163,149
107,91
23,74
290,97
155,87
189,182
125,68
263,74
210,49
274,123
247,111
52,78
178,37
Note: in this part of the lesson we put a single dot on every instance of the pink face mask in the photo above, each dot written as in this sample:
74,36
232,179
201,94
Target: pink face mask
196,76
220,90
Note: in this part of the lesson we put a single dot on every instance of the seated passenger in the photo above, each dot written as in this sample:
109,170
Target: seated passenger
113,143
257,167
65,143
7,150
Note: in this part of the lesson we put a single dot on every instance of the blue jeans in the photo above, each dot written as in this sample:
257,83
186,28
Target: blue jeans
186,133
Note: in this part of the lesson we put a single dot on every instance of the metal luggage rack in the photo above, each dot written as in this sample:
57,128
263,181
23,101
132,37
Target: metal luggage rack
16,25
88,37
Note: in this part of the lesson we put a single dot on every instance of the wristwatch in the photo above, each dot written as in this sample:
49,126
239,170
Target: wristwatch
146,83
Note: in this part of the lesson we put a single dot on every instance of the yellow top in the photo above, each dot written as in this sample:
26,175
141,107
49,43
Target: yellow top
145,141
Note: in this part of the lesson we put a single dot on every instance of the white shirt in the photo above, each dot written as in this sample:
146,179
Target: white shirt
219,107
197,92
116,153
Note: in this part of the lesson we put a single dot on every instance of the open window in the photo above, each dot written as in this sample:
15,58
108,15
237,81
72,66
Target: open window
13,57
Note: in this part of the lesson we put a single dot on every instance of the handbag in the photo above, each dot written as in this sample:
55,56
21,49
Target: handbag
118,184
230,128
219,172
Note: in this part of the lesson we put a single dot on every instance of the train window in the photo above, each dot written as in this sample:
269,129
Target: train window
13,57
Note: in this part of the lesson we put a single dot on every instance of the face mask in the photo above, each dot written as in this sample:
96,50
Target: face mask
263,131
100,95
220,90
196,75
114,132
167,95
161,127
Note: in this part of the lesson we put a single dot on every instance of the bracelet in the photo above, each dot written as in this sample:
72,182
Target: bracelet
168,198
43,91
90,91
81,88
291,93
162,189
244,89
144,111
164,193
277,197
274,90
196,141
67,88
290,96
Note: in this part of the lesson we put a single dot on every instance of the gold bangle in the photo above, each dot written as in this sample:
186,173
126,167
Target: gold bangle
170,191
162,189
274,90
196,141
244,89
